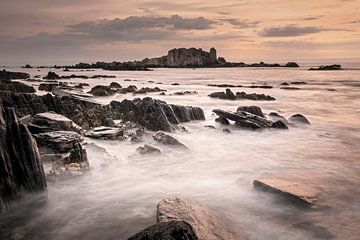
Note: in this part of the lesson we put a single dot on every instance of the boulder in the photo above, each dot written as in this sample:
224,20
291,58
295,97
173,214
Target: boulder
21,168
275,117
59,141
6,75
145,90
292,64
279,124
229,95
298,118
327,68
48,87
18,87
100,90
222,120
50,121
147,149
111,133
293,191
168,140
172,230
244,119
109,122
254,96
251,109
115,85
206,224
129,89
52,76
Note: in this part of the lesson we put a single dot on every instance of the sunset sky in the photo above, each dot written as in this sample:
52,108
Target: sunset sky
68,31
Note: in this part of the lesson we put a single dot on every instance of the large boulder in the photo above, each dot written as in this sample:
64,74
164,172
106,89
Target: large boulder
298,118
291,190
50,121
205,223
52,76
173,230
20,163
100,90
292,64
244,119
251,109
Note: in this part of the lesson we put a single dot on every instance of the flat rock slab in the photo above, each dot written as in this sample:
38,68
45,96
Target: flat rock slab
105,132
295,191
50,121
206,225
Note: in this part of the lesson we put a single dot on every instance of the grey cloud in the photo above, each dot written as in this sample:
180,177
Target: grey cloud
240,23
289,31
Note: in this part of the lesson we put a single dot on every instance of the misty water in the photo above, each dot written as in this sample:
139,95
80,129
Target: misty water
119,197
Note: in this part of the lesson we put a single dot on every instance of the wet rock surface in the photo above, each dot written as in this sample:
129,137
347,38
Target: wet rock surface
298,118
148,149
7,75
50,121
16,87
168,140
229,95
111,133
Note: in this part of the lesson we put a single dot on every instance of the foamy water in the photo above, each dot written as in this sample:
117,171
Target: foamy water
119,197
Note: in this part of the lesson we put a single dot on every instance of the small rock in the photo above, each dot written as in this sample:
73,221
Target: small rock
166,139
298,118
147,149
109,122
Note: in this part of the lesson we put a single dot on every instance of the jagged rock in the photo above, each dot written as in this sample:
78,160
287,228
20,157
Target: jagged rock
115,85
6,75
222,120
291,190
100,90
327,68
187,113
292,64
109,122
298,118
20,164
147,149
50,121
172,230
48,87
279,124
251,109
254,96
59,141
52,76
105,133
227,95
244,119
205,223
168,140
145,90
16,87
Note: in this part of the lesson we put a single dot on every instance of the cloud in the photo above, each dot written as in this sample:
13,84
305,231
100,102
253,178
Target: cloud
289,31
240,23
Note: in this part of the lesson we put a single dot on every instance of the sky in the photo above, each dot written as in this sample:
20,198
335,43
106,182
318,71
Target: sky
69,31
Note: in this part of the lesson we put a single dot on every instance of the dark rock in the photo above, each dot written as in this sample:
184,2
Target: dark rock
27,66
259,86
147,149
59,141
175,84
166,139
186,93
222,120
172,230
50,121
279,124
298,83
48,87
6,75
290,88
327,68
109,122
105,133
205,223
52,76
21,168
298,118
115,85
227,95
292,64
210,126
224,85
251,109
100,90
129,89
145,90
226,130
291,190
285,84
254,96
244,119
16,87
275,117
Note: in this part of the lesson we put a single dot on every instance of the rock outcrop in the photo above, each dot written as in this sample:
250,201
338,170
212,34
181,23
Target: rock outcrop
229,95
16,87
6,75
168,140
327,68
21,168
298,118
50,121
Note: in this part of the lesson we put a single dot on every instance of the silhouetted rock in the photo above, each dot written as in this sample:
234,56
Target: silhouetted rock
279,124
290,88
298,118
21,168
52,76
298,83
6,75
16,87
173,230
228,94
145,90
222,120
292,64
251,109
276,117
166,139
327,68
115,85
291,190
254,96
100,90
244,119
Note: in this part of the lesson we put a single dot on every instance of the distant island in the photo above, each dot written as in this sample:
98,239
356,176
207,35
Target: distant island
177,58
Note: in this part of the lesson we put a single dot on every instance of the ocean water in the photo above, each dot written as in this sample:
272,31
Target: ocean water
120,195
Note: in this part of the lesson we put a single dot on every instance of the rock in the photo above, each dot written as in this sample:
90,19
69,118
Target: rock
259,86
275,117
227,95
147,149
290,88
48,87
25,120
7,76
244,119
298,118
16,87
284,84
327,68
210,126
175,84
222,120
50,121
251,109
168,140
187,113
254,96
59,141
20,163
226,130
224,85
292,64
115,85
100,90
186,93
203,221
69,92
279,124
291,190
109,122
145,90
172,230
298,83
52,76
129,89
105,133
